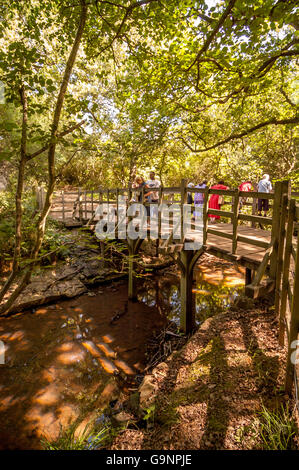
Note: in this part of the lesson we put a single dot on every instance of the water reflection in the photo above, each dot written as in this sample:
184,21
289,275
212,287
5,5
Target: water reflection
214,291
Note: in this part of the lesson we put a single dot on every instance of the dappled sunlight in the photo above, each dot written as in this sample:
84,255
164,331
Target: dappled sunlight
124,367
106,350
108,338
17,336
91,347
239,359
107,365
44,423
71,357
66,413
8,401
233,282
47,396
66,347
41,311
48,375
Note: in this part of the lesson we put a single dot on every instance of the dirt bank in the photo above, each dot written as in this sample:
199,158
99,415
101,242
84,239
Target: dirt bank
209,394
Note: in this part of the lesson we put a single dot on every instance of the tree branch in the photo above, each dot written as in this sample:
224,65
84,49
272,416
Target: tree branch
274,121
59,136
214,32
60,170
288,100
268,64
129,10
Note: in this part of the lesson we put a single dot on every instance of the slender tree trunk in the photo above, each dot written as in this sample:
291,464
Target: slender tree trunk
51,161
19,193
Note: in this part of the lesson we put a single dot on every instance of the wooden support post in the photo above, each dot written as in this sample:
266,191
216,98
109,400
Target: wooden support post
117,218
80,205
254,211
281,188
183,201
108,208
187,260
85,203
133,246
281,242
286,270
159,217
187,312
248,276
205,215
294,328
236,205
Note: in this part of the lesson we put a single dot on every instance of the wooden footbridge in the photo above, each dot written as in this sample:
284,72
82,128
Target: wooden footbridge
266,246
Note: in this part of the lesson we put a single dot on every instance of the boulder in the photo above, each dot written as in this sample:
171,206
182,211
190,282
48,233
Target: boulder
147,391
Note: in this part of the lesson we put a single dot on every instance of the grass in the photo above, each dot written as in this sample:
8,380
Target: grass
277,429
88,439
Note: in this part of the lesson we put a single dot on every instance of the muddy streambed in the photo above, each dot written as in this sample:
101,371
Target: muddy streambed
71,359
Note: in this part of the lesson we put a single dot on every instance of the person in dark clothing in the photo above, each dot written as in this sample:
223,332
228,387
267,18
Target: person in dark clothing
189,195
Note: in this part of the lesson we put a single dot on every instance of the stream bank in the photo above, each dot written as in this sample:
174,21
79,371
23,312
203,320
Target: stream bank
218,391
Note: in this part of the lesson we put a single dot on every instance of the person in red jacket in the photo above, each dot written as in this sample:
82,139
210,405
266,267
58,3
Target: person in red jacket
246,186
216,200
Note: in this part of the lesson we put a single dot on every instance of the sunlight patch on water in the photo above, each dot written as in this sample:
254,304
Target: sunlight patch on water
107,365
107,339
123,366
47,396
91,347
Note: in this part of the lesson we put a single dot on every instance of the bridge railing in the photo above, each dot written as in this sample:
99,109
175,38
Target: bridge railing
287,295
81,204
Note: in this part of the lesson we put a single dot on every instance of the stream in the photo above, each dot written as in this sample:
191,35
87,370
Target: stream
72,358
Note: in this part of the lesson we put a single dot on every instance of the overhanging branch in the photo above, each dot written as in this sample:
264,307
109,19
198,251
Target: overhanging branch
213,33
274,121
59,136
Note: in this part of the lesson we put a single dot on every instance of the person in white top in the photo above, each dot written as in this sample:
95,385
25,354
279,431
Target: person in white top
152,196
264,186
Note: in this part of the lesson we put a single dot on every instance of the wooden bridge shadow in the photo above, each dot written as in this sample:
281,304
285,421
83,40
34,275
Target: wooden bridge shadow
213,387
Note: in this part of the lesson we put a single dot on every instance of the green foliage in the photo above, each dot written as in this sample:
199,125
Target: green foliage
149,416
277,429
7,223
70,438
149,98
54,236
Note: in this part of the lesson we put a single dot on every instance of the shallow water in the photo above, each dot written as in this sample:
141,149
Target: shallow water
214,289
71,359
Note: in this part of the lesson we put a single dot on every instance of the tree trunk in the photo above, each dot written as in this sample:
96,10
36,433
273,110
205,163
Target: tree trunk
51,162
19,193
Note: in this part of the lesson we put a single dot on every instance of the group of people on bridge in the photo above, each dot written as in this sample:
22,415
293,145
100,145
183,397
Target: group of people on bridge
152,185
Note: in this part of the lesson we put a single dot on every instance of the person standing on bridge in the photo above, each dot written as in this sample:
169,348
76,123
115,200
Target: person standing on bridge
152,197
199,199
264,186
216,200
246,186
140,184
